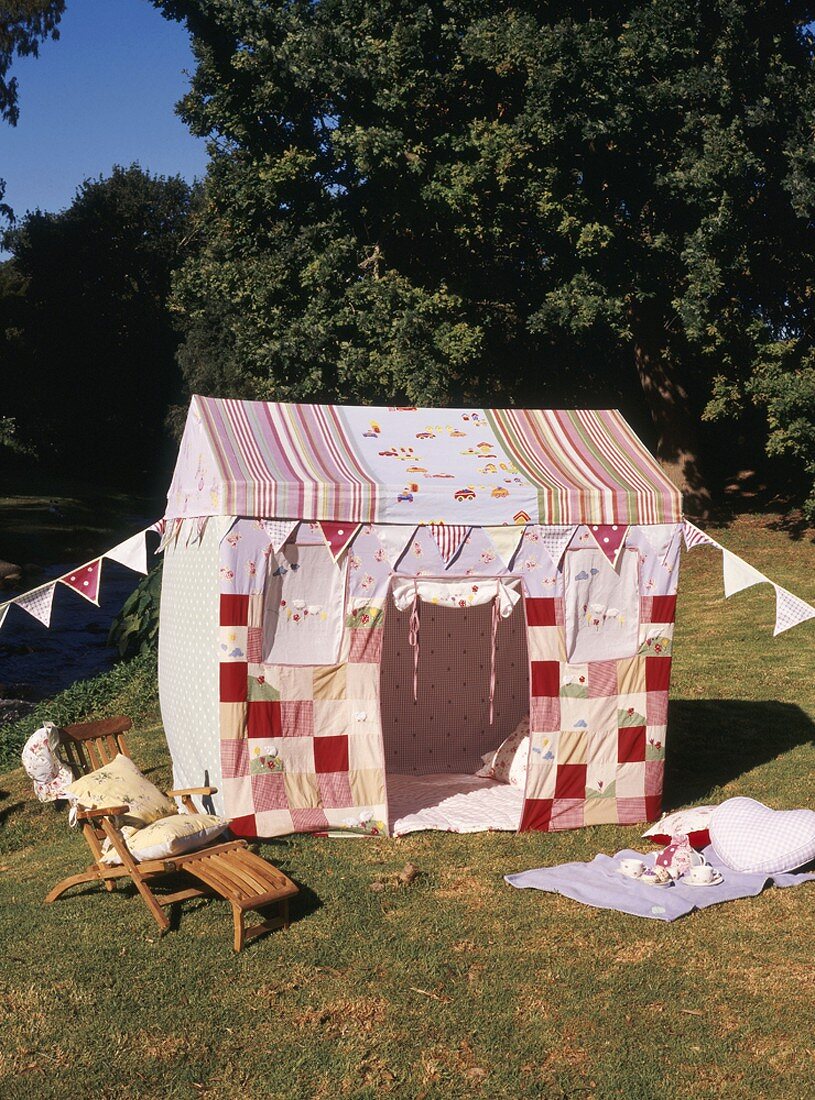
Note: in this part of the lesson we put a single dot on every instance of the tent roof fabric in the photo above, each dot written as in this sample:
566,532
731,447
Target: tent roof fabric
480,467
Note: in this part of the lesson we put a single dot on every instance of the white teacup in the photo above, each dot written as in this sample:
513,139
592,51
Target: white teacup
701,874
632,867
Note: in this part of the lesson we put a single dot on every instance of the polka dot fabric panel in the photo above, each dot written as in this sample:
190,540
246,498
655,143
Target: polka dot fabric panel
188,658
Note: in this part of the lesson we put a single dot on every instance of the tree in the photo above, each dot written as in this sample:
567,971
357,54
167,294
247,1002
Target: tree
458,201
83,314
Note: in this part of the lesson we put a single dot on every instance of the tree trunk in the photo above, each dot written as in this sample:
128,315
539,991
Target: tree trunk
670,410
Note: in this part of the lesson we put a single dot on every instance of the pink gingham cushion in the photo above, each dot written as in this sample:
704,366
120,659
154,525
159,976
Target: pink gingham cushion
749,836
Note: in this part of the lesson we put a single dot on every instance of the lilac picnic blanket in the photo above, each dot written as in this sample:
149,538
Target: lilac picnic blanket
601,884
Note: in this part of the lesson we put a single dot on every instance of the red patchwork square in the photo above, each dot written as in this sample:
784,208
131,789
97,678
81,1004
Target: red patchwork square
263,719
570,781
631,810
630,744
663,609
335,790
568,813
366,646
653,807
234,758
657,673
537,815
545,678
297,718
654,773
269,792
646,610
331,754
244,826
544,714
254,645
234,610
656,708
309,821
602,679
540,611
233,675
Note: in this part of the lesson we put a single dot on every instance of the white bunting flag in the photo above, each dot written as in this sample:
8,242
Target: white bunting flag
38,602
738,574
789,610
131,553
3,612
554,540
278,531
449,538
394,540
506,540
659,536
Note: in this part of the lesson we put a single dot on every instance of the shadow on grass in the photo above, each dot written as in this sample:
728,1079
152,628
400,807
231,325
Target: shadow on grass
712,741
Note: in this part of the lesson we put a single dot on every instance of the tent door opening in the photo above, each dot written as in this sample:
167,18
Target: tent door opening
433,745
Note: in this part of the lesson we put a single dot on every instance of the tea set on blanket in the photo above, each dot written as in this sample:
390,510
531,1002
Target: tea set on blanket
746,836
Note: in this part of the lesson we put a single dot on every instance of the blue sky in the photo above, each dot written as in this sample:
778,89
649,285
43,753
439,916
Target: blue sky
103,94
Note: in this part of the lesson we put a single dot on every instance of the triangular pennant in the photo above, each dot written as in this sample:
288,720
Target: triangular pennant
610,538
131,553
694,537
338,536
448,537
554,541
394,539
278,530
506,540
658,536
38,602
85,580
789,610
738,574
158,526
3,612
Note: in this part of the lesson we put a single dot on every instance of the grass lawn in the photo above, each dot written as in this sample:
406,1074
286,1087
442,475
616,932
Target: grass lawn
456,985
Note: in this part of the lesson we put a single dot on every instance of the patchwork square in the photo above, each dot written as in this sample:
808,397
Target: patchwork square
263,719
600,811
544,714
631,811
631,744
630,781
362,681
365,646
309,820
540,611
233,720
654,772
572,749
233,679
546,643
273,823
331,717
568,813
331,754
631,676
301,790
255,610
295,682
297,718
335,789
602,678
234,758
233,641
365,751
663,609
244,826
254,645
545,678
260,687
329,682
646,608
589,714
657,673
234,610
367,786
570,781
653,807
656,708
269,792
537,815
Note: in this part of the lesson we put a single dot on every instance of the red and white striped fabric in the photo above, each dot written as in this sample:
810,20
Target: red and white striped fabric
448,538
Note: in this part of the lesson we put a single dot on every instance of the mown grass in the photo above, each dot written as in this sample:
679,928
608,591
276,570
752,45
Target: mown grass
455,985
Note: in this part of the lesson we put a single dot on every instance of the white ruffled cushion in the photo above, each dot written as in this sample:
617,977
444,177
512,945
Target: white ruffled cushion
170,836
694,823
508,763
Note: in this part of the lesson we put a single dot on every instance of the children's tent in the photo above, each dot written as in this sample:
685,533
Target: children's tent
359,602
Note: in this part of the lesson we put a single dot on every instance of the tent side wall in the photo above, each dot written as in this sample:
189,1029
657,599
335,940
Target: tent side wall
188,657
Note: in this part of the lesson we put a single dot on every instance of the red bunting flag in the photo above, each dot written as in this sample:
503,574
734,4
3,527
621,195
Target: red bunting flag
338,537
610,538
85,580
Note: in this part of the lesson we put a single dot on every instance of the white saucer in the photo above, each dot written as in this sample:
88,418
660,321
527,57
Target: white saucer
713,882
662,885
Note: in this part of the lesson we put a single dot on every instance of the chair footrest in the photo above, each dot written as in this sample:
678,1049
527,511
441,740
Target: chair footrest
239,876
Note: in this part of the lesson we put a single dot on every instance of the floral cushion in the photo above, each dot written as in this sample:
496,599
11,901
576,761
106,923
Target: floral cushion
694,823
119,782
170,836
507,764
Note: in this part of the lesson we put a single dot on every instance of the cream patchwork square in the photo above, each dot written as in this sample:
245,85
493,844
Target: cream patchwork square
274,823
631,676
573,746
365,751
329,681
256,607
600,811
367,786
237,794
233,720
332,717
301,790
362,681
546,643
295,683
630,781
588,714
232,643
297,754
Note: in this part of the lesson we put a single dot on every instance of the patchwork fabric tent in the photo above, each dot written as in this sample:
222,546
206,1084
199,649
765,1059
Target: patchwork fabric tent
359,602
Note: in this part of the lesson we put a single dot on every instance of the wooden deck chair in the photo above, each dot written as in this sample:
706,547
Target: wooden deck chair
229,869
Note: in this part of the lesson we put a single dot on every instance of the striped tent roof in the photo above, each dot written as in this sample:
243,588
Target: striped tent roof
480,467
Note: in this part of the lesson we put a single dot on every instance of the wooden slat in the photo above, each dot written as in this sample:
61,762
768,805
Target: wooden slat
89,731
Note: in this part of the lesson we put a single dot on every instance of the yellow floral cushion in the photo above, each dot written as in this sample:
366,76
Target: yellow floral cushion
118,782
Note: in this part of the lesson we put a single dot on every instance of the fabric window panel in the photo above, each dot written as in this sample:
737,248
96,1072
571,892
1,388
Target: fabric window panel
602,605
304,606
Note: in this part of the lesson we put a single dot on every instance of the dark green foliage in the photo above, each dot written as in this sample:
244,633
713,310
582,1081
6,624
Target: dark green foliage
83,314
23,25
135,629
461,201
128,688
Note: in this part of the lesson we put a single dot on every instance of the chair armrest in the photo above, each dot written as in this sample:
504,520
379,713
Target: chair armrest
192,790
102,811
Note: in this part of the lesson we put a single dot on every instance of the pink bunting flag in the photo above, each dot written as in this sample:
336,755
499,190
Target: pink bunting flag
789,610
278,530
38,602
449,538
610,538
85,580
339,536
695,537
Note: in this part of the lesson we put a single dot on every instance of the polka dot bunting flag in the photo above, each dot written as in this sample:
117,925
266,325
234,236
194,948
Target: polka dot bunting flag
609,537
338,536
85,580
